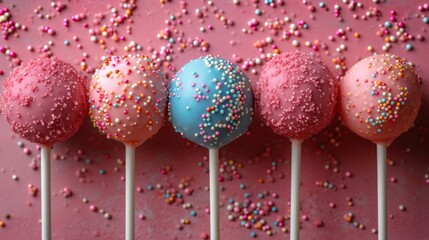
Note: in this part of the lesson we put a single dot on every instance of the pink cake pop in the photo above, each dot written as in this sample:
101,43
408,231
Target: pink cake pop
380,98
128,98
44,101
297,96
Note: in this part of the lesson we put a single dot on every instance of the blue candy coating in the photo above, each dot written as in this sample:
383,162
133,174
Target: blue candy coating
211,101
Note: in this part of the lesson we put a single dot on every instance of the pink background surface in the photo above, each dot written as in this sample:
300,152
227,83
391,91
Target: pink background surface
327,157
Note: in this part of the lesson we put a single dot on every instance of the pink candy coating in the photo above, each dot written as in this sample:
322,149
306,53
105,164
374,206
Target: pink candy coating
128,98
380,97
44,100
297,94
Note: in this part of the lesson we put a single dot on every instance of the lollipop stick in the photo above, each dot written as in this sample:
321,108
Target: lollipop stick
130,153
295,185
214,193
45,164
381,181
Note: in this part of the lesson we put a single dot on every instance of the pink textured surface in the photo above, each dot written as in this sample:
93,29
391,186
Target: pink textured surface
338,166
44,100
380,98
298,95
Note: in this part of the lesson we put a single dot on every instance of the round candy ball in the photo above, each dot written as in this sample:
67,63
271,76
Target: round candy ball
44,100
211,102
380,97
128,97
297,94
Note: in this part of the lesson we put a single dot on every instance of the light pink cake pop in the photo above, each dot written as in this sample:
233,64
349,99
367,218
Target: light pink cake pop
297,94
44,100
128,98
380,97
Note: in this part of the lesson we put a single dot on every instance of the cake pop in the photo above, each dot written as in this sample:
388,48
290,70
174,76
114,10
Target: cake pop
211,104
128,97
296,96
44,100
379,100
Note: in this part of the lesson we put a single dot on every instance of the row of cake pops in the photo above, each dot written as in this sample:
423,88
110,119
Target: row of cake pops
211,103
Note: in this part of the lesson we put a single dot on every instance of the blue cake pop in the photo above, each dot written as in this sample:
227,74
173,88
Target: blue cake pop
211,101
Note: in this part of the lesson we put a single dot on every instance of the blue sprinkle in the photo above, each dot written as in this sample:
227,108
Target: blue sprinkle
101,171
193,213
322,4
253,234
387,24
149,187
426,19
409,47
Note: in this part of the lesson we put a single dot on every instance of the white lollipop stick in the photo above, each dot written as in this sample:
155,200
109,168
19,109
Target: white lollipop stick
214,193
130,154
45,165
381,182
295,186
